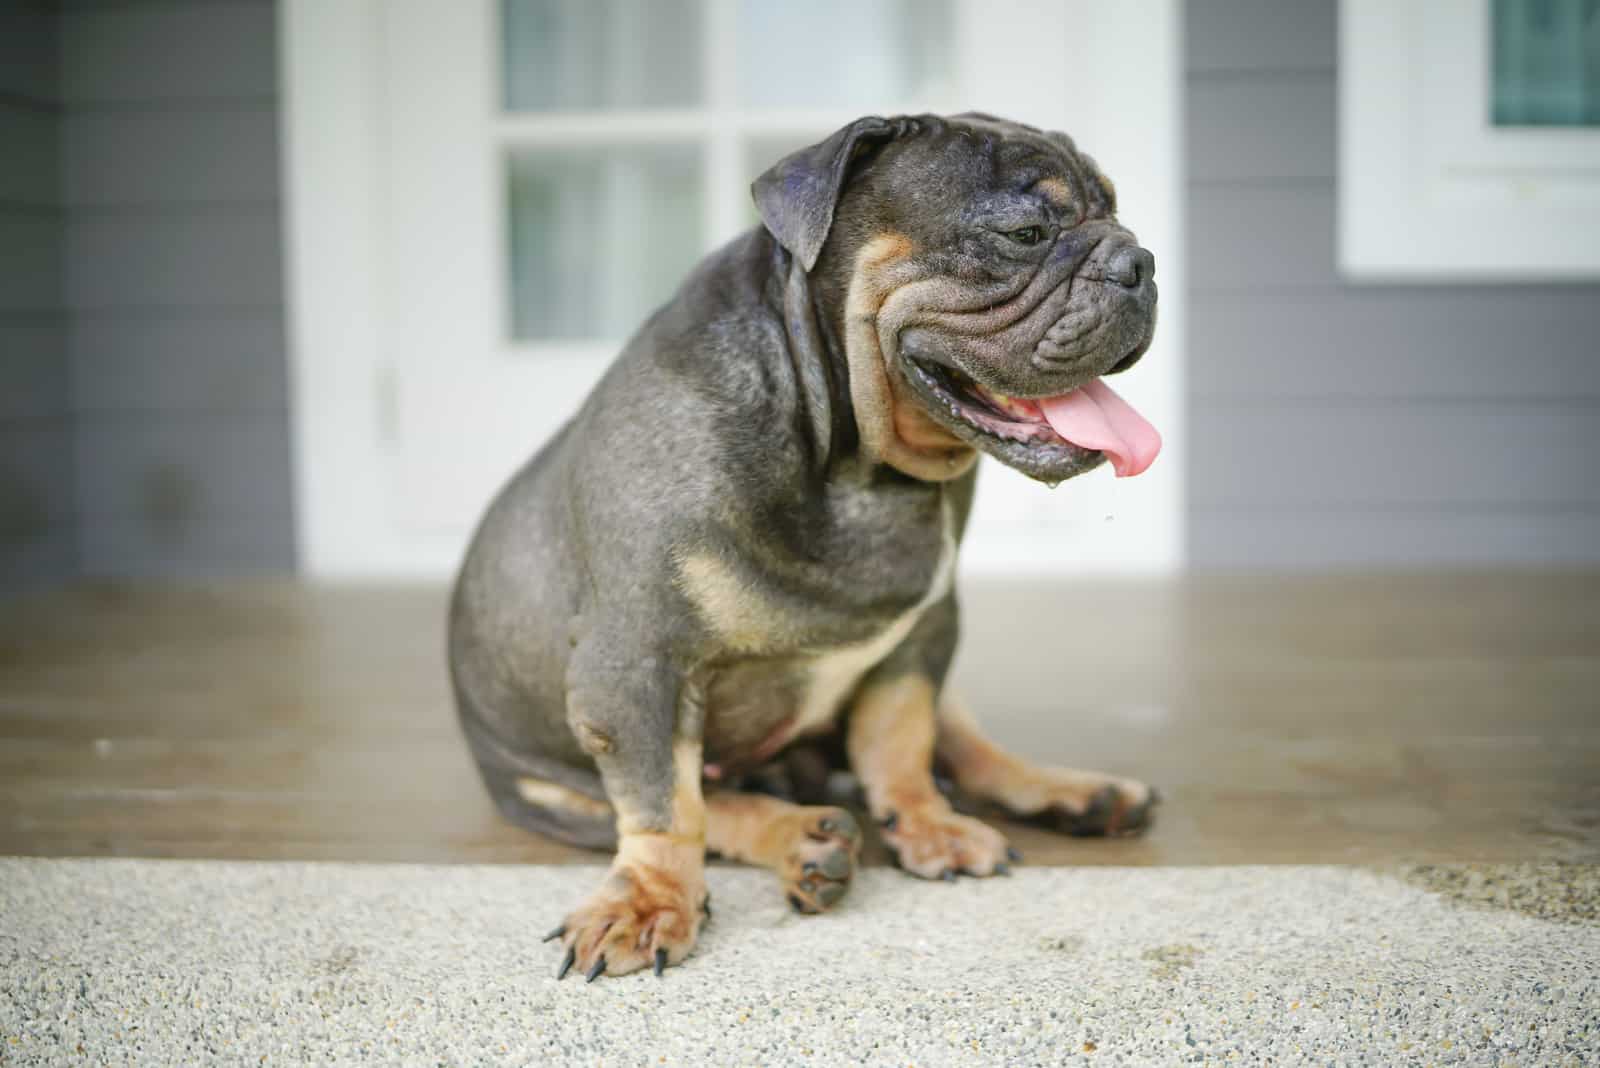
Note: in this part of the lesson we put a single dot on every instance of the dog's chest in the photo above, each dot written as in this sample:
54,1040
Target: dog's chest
831,676
792,662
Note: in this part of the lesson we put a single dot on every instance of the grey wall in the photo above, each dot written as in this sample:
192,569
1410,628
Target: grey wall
1335,425
172,283
36,444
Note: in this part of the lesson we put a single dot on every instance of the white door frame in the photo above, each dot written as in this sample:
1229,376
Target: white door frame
1117,86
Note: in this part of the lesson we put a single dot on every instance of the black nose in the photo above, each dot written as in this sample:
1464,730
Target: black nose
1131,266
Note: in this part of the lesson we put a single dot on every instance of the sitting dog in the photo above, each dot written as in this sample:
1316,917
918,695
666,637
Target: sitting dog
736,558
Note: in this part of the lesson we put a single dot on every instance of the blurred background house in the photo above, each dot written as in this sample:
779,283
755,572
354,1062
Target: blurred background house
535,186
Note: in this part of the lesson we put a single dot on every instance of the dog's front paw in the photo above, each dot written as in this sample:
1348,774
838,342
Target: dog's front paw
930,840
645,914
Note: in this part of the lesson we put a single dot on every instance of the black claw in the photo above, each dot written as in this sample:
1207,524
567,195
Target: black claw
890,821
826,825
705,906
594,973
661,962
808,867
1013,854
1155,796
557,933
800,906
948,875
1002,869
566,962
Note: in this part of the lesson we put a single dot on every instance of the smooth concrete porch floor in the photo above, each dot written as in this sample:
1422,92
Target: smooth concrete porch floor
1366,719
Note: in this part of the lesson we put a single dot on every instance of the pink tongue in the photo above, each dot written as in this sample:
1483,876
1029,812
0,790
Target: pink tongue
1093,416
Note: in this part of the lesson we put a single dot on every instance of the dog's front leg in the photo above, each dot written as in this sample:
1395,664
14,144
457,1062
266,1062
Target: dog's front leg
635,715
890,741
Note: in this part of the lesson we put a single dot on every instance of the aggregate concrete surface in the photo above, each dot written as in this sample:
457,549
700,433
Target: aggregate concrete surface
191,962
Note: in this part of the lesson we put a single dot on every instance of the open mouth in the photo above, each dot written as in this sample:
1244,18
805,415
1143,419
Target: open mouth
1049,438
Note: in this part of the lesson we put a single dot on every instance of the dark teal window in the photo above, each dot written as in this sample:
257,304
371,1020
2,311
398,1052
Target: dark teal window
1546,63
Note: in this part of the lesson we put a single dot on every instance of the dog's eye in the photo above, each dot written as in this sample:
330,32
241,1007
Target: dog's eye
1028,235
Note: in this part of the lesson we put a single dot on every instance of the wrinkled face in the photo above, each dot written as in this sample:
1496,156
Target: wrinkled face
987,261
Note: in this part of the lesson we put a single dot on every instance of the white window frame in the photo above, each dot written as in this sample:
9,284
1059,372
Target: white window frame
1429,189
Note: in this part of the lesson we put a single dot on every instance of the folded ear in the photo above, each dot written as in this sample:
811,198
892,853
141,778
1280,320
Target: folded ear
797,196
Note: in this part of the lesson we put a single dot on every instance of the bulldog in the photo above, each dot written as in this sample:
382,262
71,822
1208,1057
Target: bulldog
732,568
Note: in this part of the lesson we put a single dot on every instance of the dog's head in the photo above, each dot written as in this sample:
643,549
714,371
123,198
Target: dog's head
984,287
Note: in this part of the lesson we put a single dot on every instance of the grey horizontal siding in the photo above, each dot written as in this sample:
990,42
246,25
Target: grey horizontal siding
28,52
173,276
217,548
1364,454
1335,426
182,470
1261,238
221,156
199,259
37,523
37,533
219,365
48,559
36,486
1426,342
30,262
1223,36
125,55
30,175
1348,539
1247,129
33,372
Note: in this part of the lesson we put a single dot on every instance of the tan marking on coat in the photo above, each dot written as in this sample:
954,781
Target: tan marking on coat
688,803
1108,188
563,798
592,739
1056,191
685,818
872,395
736,612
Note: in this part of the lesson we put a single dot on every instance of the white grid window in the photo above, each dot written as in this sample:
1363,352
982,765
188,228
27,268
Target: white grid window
630,131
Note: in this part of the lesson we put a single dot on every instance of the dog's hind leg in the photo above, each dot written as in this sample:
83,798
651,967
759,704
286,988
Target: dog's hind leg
812,848
1068,800
536,793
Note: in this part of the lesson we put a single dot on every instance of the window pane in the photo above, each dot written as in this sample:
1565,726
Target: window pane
1546,63
599,237
601,54
872,54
